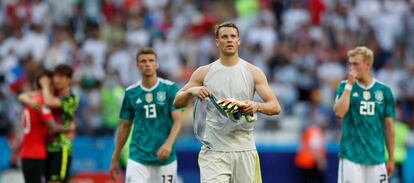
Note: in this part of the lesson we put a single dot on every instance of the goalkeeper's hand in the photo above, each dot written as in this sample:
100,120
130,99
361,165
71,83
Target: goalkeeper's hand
230,105
236,108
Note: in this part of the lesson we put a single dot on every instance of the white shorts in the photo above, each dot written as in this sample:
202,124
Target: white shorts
229,167
139,173
350,172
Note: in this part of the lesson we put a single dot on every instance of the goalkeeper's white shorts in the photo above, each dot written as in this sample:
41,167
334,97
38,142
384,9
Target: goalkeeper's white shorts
139,173
229,167
349,171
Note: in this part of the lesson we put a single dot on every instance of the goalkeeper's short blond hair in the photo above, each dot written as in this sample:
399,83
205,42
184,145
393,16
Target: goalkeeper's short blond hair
365,52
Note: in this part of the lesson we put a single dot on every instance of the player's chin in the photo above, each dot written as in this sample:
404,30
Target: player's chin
229,52
148,73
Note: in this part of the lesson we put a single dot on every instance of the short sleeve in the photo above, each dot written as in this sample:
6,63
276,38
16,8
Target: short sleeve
340,90
173,89
126,109
389,104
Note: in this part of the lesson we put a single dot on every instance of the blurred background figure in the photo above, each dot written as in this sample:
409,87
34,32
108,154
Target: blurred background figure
311,155
400,155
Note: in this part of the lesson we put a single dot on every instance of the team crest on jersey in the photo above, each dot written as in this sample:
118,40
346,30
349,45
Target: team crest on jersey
366,95
161,96
149,97
379,95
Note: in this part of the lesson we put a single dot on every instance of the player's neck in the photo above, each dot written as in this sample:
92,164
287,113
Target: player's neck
149,81
63,91
229,60
366,81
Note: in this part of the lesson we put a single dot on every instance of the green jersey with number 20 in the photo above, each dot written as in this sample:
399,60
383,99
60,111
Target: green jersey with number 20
150,111
363,132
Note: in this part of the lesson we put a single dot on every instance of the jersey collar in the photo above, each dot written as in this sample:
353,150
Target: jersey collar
368,87
149,89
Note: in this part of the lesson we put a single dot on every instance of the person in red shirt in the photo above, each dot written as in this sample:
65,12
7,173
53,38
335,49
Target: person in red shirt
311,156
37,121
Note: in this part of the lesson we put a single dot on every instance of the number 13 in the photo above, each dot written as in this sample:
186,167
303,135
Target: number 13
150,111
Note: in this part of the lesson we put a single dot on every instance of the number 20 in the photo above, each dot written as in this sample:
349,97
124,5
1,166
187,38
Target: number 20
367,108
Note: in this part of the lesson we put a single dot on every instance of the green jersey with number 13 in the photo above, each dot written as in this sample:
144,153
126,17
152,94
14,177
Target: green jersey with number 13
363,132
150,111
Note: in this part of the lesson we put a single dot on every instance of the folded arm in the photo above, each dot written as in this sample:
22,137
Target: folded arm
50,100
25,99
57,128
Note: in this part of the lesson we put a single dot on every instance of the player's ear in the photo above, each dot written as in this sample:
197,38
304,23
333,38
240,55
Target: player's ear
136,65
217,42
369,65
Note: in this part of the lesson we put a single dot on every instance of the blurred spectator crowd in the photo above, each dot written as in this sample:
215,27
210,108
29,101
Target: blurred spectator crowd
300,45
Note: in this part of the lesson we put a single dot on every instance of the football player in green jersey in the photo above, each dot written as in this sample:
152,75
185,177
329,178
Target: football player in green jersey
367,109
63,104
148,105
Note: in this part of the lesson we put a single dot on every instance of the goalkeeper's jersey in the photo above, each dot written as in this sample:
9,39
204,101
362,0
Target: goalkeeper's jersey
150,111
363,132
229,82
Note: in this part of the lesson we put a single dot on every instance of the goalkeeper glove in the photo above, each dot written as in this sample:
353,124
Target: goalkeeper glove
232,106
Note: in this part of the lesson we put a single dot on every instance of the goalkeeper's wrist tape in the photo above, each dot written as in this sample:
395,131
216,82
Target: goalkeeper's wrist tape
348,87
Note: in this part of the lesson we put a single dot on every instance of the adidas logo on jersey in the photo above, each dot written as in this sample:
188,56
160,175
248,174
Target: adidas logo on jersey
138,101
355,94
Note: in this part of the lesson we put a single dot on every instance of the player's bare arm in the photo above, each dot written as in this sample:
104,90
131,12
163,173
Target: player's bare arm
194,88
57,128
390,139
341,105
50,100
123,133
25,99
270,104
165,150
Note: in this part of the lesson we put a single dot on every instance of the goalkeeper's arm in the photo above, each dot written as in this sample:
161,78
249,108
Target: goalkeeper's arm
194,88
270,104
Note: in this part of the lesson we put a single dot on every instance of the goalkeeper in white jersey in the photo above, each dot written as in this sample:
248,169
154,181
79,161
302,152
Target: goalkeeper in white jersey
232,156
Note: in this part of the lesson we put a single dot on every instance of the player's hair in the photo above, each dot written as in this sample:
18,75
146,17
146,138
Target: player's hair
144,51
365,52
39,74
63,70
225,24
